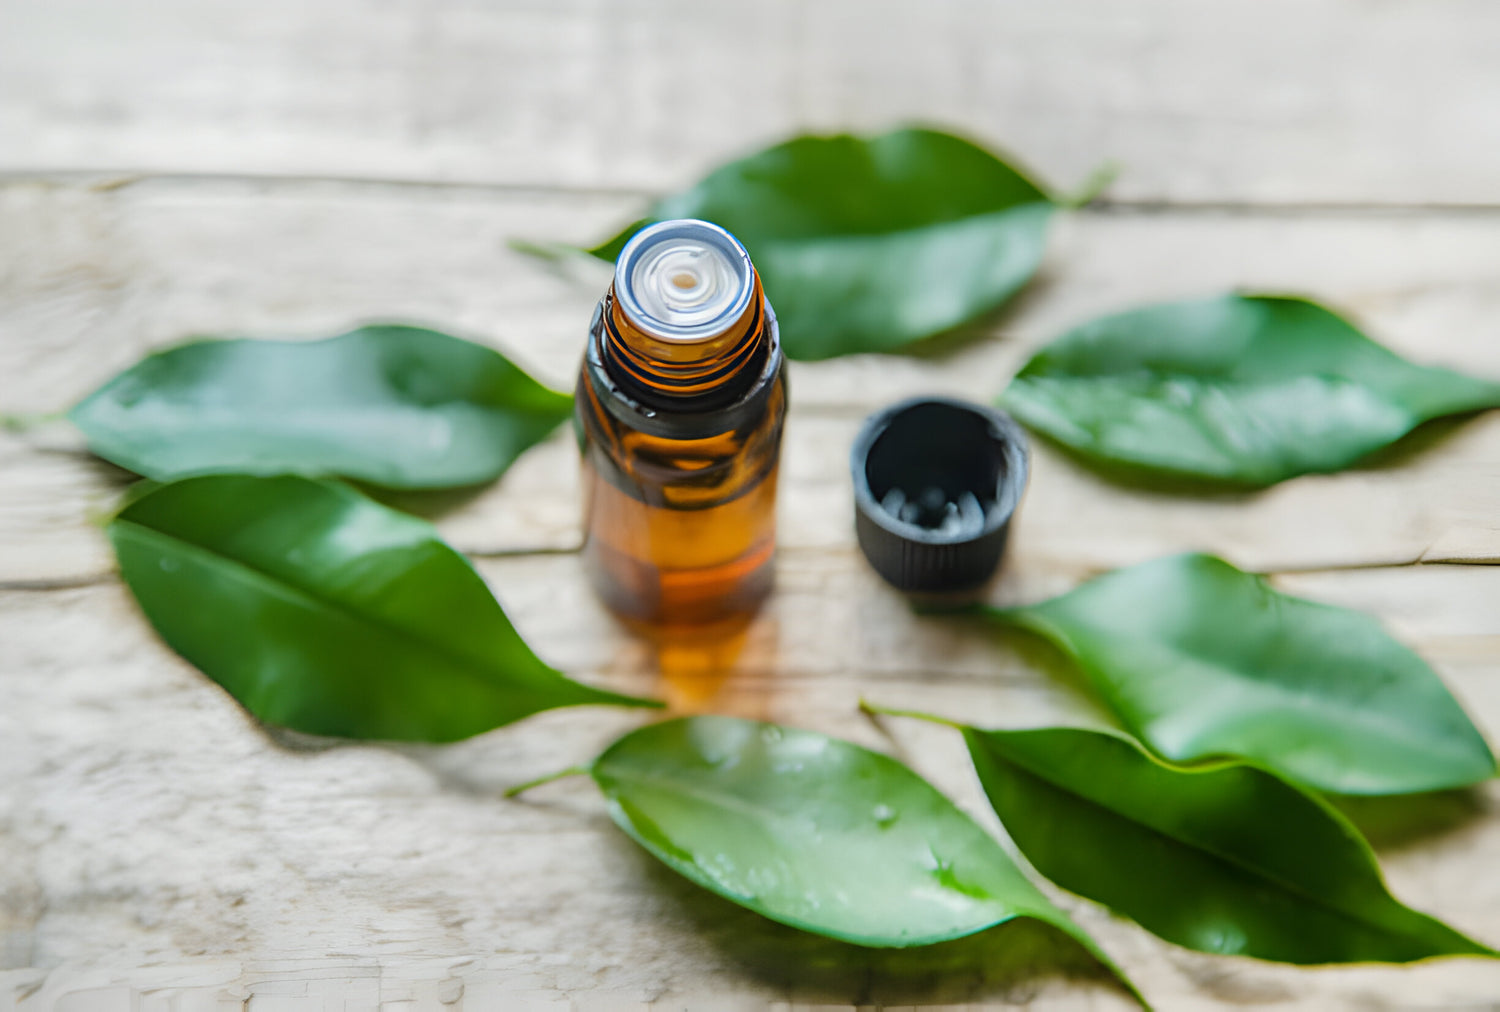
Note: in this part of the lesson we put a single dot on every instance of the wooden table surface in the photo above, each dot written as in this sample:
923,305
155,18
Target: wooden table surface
289,168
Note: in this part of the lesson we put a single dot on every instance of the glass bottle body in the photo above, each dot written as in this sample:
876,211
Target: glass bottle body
680,505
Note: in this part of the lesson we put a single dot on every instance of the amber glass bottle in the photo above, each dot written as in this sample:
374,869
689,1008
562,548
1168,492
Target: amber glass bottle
680,407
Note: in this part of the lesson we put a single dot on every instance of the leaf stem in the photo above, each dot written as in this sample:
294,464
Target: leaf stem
571,771
1096,183
1015,616
875,709
25,421
939,606
552,252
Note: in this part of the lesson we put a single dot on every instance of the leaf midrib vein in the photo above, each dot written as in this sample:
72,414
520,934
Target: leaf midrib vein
1008,907
1051,629
467,664
1233,862
1379,722
730,801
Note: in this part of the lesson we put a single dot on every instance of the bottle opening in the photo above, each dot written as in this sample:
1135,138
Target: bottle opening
683,280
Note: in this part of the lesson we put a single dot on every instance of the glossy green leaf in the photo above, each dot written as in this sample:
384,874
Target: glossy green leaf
1199,660
324,612
1225,859
399,407
815,832
868,244
1239,389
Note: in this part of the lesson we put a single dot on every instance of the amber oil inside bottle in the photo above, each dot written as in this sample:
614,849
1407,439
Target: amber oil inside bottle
680,407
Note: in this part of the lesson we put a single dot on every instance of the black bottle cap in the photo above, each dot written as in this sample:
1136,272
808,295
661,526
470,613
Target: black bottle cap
936,481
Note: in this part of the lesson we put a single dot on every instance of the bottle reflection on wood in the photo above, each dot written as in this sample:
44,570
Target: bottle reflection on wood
680,407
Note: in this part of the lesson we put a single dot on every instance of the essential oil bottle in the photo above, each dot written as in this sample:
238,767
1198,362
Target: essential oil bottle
680,408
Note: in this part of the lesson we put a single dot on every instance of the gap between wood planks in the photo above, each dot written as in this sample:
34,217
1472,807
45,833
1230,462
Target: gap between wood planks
99,579
104,181
108,181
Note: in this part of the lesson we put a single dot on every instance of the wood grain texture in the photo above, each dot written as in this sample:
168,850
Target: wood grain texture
289,169
1239,101
160,827
109,274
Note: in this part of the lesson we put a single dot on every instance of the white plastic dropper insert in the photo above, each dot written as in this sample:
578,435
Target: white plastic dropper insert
683,280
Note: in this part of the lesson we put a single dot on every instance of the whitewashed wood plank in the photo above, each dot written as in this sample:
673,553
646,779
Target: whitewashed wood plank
282,852
91,282
103,276
96,277
1419,602
1237,101
162,828
1438,504
153,826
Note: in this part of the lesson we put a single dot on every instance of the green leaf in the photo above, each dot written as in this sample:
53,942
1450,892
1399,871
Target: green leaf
1240,389
1226,859
816,833
398,407
324,612
868,244
1199,660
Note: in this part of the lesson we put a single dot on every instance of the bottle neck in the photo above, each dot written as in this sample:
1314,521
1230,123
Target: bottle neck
687,376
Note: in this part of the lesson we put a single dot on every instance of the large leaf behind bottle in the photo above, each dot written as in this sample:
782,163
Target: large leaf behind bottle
399,407
815,832
1240,389
324,612
1227,859
1201,660
867,244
